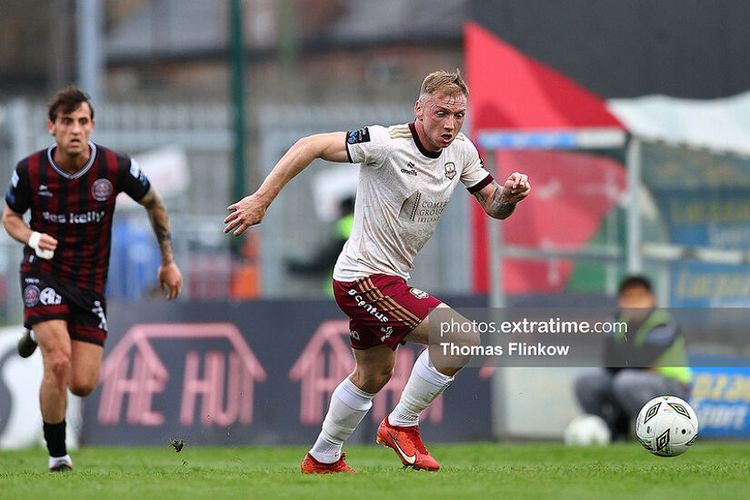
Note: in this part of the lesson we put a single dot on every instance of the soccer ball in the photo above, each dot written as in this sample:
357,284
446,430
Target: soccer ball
667,426
586,430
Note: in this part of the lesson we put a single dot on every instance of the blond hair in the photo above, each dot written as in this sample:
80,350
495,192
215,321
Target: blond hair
443,81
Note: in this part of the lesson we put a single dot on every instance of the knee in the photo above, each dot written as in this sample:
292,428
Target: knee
454,329
380,378
468,337
473,340
372,380
82,388
57,366
83,382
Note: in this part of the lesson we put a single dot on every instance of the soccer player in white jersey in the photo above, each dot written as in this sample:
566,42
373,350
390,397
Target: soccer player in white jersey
408,173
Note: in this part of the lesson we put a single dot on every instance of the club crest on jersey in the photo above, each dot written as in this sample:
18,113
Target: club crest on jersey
102,189
31,296
450,170
420,294
357,136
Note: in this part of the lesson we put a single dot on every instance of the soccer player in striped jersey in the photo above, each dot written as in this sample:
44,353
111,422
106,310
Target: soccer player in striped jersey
408,173
70,190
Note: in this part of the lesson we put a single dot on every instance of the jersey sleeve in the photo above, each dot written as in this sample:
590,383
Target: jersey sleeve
474,176
18,197
133,181
368,145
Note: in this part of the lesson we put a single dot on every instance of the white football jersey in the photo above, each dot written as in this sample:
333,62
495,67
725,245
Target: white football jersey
402,192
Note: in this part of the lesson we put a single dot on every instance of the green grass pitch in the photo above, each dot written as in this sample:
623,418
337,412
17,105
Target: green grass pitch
488,470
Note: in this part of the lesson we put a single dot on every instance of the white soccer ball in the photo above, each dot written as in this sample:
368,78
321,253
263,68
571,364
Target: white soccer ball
587,430
667,426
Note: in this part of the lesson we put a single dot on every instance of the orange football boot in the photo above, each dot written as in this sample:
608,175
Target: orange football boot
408,445
311,466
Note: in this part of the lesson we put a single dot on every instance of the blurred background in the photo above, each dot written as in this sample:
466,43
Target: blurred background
632,120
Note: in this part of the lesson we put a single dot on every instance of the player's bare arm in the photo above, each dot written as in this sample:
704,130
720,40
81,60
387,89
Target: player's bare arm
17,228
170,277
500,202
250,210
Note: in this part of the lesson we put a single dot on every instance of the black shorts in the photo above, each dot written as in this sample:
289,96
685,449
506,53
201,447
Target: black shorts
45,298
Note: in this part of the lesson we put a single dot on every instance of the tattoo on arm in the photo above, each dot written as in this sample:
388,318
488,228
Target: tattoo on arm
499,208
480,198
157,214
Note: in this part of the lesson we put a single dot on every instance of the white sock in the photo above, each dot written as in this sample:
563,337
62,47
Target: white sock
424,385
349,405
56,460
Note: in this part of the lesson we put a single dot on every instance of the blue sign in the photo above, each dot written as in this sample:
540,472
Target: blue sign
702,284
721,398
702,199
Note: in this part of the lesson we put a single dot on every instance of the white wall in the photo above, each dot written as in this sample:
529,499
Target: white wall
22,427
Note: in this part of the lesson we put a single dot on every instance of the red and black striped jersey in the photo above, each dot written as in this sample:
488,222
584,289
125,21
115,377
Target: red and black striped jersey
76,209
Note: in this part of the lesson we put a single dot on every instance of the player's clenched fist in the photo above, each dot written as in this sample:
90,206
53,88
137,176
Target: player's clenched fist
247,212
516,187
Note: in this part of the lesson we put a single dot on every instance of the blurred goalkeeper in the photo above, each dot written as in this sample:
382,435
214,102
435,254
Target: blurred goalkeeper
408,173
70,190
652,346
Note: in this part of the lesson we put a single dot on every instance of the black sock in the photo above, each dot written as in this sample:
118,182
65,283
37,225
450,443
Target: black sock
54,434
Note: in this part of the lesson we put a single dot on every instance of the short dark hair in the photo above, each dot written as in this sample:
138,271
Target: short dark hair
635,281
68,100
